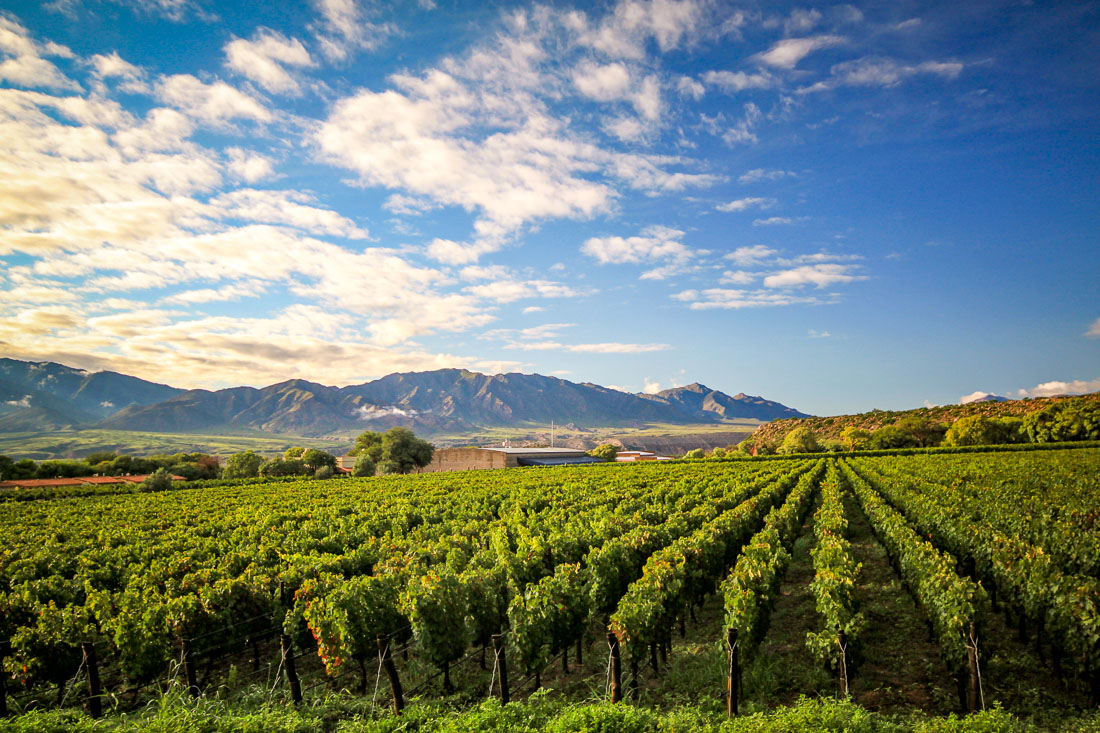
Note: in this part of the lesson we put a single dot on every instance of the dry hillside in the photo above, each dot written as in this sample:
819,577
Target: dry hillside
831,427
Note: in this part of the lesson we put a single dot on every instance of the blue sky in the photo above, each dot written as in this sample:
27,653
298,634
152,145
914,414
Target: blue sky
839,207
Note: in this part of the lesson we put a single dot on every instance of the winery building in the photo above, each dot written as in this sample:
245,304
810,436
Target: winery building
466,459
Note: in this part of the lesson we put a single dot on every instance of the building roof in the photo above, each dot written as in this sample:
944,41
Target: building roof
537,451
559,460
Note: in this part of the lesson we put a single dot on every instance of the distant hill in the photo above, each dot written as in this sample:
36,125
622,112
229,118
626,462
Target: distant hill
696,399
982,397
831,427
49,396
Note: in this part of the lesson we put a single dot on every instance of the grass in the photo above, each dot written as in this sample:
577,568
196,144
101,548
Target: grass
79,443
348,714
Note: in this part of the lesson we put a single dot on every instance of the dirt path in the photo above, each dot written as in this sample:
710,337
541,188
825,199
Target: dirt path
784,668
897,666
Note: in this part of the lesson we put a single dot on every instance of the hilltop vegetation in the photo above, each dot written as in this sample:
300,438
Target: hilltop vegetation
929,425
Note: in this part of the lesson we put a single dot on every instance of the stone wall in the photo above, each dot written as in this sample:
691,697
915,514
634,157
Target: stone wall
465,459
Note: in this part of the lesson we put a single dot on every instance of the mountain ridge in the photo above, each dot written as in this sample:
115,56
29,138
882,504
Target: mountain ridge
53,396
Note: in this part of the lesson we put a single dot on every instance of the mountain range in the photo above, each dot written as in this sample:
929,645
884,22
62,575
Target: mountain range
36,396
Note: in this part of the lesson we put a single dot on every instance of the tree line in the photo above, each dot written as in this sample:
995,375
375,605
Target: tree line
1056,423
192,466
395,451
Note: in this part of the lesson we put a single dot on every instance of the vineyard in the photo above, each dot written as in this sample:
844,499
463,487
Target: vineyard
655,586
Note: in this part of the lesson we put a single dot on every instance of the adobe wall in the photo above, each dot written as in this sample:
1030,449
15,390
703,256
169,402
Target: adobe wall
465,459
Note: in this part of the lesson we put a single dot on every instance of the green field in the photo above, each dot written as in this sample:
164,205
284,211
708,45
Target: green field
881,593
675,439
652,436
79,443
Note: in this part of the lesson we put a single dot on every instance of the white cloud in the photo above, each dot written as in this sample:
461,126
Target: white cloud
779,220
513,335
292,208
1051,389
647,98
787,53
738,277
688,87
24,63
655,243
819,275
881,72
533,309
249,166
975,397
815,334
1094,329
651,386
624,32
751,255
343,29
602,82
736,299
25,402
747,203
450,252
175,10
222,294
264,58
737,81
507,291
414,143
801,21
216,103
479,272
742,131
113,66
627,129
610,347
762,174
374,412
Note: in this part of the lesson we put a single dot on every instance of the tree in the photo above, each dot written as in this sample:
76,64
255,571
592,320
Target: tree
924,430
606,451
369,443
855,438
1067,420
718,452
891,436
242,465
159,480
100,456
323,472
364,466
294,451
387,467
280,467
24,468
695,453
318,459
800,440
208,465
401,446
982,430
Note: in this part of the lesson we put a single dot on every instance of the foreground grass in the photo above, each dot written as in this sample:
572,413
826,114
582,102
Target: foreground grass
344,714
